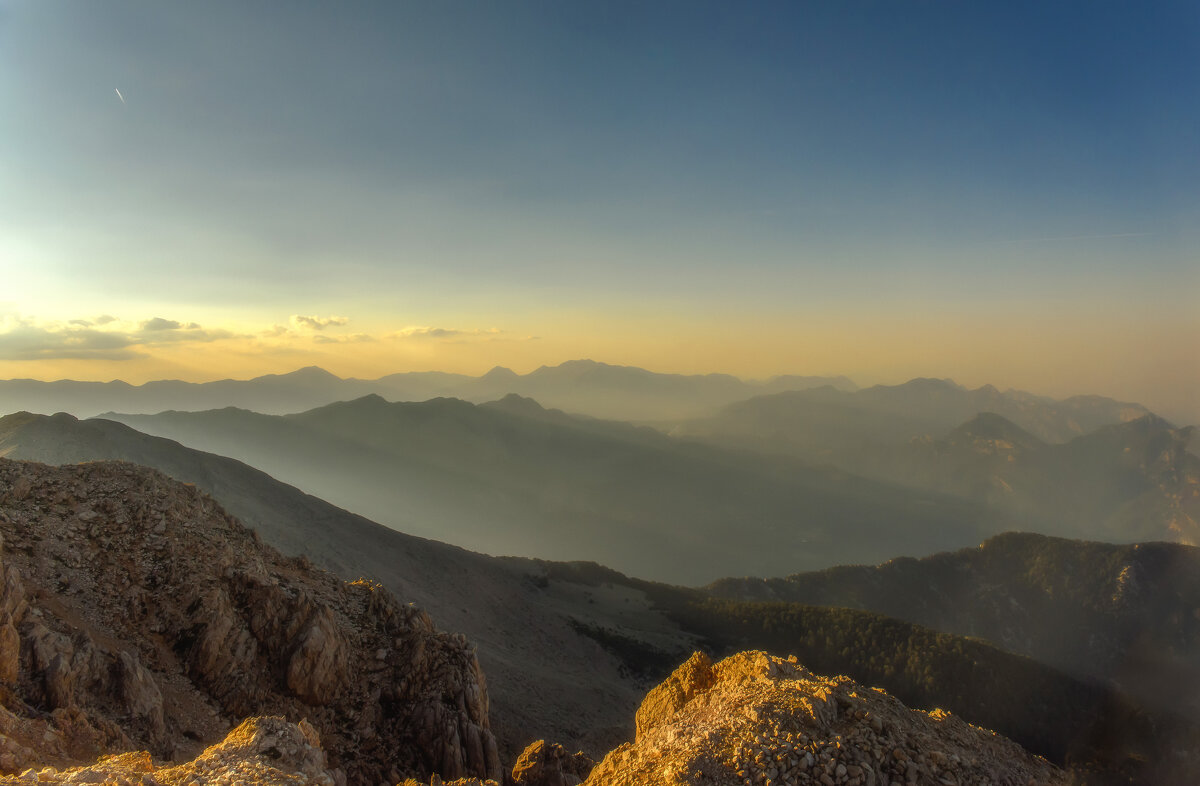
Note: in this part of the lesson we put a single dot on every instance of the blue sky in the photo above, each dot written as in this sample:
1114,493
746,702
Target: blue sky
685,186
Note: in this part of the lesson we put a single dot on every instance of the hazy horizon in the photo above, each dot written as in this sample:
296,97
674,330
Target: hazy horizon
997,195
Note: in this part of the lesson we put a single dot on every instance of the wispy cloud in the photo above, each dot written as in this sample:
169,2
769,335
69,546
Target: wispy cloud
423,331
317,323
80,339
353,338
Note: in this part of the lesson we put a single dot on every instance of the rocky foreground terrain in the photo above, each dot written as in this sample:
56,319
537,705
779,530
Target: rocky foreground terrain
135,614
748,720
755,720
266,750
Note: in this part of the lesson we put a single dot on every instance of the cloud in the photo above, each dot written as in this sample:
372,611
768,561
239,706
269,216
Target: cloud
27,341
80,339
158,323
421,331
104,319
317,323
353,338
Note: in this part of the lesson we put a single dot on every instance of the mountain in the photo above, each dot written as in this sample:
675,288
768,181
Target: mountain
136,613
511,478
581,386
569,648
1123,614
1131,481
841,426
547,679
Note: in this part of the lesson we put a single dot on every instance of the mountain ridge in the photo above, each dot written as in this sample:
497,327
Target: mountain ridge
585,386
561,487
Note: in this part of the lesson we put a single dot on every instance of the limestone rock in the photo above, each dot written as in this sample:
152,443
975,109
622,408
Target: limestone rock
543,764
755,719
265,751
135,613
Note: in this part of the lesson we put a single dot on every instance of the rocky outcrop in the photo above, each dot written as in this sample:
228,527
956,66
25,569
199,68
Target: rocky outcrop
267,751
549,764
753,719
135,613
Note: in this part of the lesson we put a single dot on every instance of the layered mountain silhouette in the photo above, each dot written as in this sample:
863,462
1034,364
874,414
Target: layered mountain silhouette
513,478
835,424
583,386
1086,467
1136,480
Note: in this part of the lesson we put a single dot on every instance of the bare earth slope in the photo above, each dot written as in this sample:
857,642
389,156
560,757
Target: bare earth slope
136,614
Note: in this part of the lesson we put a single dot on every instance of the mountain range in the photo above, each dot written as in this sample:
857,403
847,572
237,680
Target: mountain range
568,648
826,422
1125,614
511,477
584,386
1086,467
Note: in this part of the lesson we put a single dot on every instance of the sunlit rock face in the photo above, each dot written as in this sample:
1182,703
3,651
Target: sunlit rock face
136,614
266,751
755,719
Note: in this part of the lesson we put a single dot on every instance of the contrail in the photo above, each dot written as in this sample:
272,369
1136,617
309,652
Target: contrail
118,92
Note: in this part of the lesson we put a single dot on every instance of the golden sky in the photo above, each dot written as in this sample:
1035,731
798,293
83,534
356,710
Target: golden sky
992,193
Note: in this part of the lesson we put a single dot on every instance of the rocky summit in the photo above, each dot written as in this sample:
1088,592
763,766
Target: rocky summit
757,720
135,614
266,751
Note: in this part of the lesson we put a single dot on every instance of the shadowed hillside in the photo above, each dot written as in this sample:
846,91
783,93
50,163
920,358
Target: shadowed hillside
1121,613
514,478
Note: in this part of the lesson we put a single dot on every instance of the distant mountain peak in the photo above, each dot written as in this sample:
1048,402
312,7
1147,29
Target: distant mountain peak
516,404
500,373
371,400
370,403
306,374
932,383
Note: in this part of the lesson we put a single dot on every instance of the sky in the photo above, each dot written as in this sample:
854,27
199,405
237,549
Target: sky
998,193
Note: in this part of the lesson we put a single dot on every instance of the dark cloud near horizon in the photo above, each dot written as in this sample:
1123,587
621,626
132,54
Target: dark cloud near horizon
79,340
30,342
